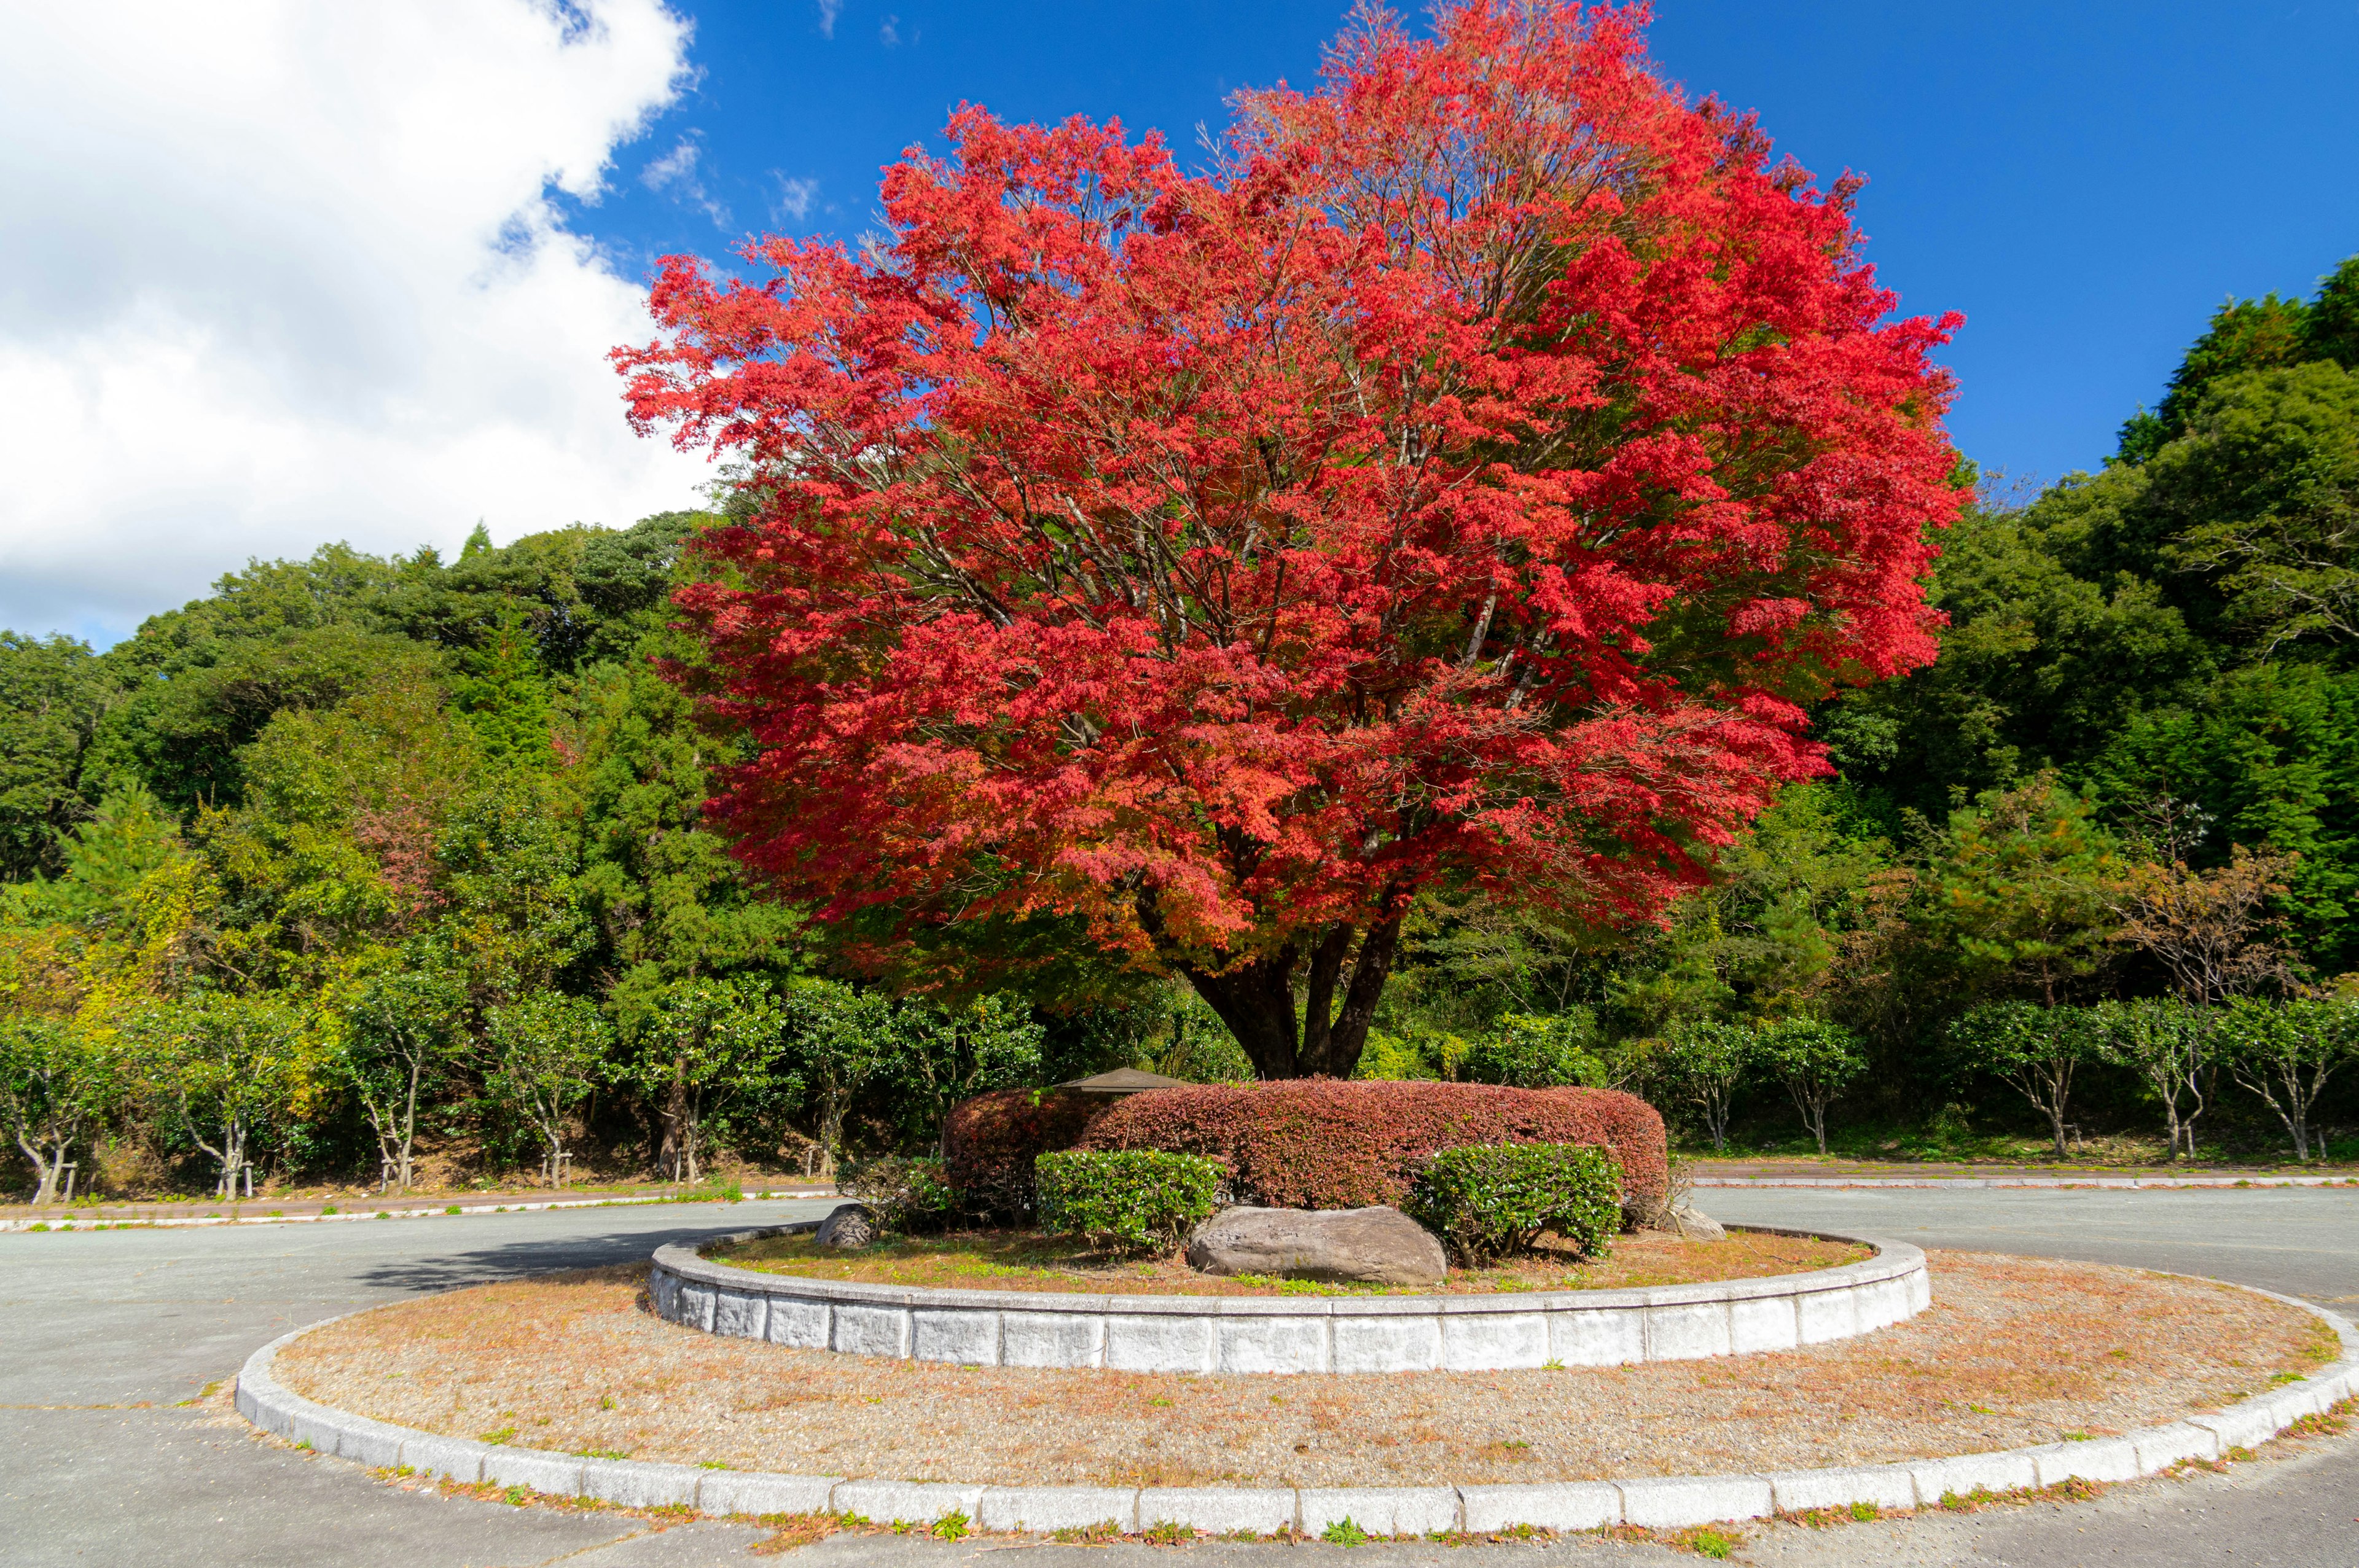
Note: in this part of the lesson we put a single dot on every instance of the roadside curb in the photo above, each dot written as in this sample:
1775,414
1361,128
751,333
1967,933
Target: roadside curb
1670,1502
2122,1183
443,1211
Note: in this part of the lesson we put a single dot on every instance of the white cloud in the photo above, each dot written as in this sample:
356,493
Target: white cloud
890,33
276,274
676,172
795,197
829,10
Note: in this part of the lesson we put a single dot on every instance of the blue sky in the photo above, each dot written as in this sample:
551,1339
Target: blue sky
2085,183
278,275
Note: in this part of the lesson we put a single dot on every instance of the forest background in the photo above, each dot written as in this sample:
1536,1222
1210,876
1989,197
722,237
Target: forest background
394,871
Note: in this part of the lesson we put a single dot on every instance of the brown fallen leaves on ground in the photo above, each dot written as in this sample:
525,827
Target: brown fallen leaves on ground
1005,1261
2013,1351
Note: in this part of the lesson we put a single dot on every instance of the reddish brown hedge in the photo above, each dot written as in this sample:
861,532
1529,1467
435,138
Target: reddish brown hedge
990,1141
1324,1143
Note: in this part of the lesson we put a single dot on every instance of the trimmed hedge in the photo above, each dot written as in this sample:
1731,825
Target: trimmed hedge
990,1141
1138,1198
1328,1144
1495,1199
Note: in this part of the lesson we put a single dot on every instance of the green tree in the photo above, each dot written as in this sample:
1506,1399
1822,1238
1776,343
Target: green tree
402,1028
53,691
224,1070
1816,1060
837,1041
1704,1062
948,1054
2023,888
2263,498
1533,1052
2167,1044
544,1054
2285,1052
59,1085
331,851
2039,1050
504,693
699,1050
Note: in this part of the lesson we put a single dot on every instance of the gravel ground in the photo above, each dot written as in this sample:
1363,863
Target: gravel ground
1019,1261
2014,1351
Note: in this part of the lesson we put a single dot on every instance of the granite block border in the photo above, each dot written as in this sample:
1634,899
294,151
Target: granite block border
1654,1501
1294,1334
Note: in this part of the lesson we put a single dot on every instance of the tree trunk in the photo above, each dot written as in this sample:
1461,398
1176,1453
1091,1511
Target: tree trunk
409,1122
831,1127
1338,1053
47,1171
673,1154
1256,1000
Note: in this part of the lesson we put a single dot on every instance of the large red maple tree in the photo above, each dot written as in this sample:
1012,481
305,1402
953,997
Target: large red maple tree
1470,478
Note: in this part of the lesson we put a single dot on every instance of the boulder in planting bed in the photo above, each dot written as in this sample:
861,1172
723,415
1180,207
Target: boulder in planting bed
850,1226
1376,1246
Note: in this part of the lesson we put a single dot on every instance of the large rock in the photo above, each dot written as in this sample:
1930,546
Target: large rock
1693,1225
850,1226
1376,1246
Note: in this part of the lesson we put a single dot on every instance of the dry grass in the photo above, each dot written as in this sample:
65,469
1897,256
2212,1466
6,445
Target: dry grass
2014,1351
1015,1260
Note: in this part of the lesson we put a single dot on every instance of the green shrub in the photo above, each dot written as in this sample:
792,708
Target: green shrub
1534,1052
1140,1199
908,1195
1495,1198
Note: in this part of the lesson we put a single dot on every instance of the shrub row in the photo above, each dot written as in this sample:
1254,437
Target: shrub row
1492,1200
989,1144
1141,1199
1324,1143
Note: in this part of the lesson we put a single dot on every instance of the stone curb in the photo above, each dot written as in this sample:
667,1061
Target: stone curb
2119,1183
1669,1502
1292,1335
440,1211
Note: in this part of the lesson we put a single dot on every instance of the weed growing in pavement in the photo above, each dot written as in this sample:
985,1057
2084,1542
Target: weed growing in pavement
953,1526
1167,1532
1825,1518
790,1532
452,1210
1101,1534
601,1454
504,1434
1705,1542
712,1463
1344,1532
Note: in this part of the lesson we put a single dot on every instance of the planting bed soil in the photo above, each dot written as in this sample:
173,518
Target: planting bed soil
1013,1261
2012,1352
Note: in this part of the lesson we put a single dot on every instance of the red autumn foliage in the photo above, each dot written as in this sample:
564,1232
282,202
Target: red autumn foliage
990,1141
1471,480
1318,1143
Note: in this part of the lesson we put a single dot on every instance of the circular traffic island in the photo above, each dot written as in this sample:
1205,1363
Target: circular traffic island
2014,1352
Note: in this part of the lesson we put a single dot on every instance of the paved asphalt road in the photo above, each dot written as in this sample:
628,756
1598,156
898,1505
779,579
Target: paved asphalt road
107,1332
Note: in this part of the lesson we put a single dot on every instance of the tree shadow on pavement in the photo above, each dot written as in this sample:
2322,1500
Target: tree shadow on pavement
537,1255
